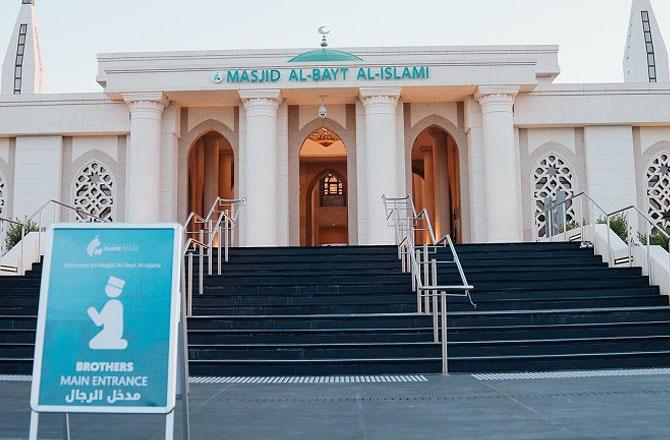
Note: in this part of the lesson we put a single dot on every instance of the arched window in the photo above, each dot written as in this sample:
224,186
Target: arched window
94,192
552,179
332,191
658,188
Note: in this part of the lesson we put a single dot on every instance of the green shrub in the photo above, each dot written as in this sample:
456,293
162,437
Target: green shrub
13,234
656,238
619,224
572,224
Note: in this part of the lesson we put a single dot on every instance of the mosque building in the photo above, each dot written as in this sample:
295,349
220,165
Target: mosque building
480,136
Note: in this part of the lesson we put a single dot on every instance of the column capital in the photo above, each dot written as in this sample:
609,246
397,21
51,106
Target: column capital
496,94
152,102
379,95
261,98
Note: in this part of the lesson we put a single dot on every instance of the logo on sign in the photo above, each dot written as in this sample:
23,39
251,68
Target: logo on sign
217,78
96,248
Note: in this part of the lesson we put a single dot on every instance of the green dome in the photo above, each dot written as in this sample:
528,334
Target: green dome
324,55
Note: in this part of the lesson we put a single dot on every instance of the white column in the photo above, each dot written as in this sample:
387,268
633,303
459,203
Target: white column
500,169
261,165
144,161
381,158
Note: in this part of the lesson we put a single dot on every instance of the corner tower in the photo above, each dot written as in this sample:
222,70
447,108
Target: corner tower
646,57
23,70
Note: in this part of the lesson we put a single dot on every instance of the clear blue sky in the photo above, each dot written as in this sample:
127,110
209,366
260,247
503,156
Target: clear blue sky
591,33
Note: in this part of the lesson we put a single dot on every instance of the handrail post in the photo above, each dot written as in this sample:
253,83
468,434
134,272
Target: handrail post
551,222
39,237
565,222
581,219
415,283
21,265
189,287
426,275
228,235
210,254
609,244
436,336
223,235
201,256
648,252
443,319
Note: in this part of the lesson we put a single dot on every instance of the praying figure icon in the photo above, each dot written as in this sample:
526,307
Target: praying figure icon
110,318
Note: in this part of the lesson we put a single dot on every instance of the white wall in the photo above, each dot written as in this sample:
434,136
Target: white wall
610,169
71,114
37,172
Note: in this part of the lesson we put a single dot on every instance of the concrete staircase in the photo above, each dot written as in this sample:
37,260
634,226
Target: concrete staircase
350,310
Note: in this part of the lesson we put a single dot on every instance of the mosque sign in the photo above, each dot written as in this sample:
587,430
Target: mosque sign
322,74
109,313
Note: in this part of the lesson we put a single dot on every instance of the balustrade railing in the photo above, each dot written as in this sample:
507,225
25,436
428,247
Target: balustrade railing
632,236
206,238
422,264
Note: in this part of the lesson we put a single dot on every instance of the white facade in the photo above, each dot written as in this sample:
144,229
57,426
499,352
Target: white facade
519,138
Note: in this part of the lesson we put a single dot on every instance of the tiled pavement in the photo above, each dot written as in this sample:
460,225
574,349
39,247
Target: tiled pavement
622,406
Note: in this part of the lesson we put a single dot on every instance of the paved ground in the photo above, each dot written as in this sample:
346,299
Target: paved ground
454,407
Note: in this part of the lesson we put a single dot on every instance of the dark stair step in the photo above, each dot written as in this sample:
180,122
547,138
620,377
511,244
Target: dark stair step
557,293
17,336
308,289
462,304
16,365
584,345
303,299
30,310
559,316
307,336
375,320
18,322
544,276
589,361
575,330
314,367
567,283
298,280
304,309
314,351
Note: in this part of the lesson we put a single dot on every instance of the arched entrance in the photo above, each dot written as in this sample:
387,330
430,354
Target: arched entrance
323,190
211,172
436,180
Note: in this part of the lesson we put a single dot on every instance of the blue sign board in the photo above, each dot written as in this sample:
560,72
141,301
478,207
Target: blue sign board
108,318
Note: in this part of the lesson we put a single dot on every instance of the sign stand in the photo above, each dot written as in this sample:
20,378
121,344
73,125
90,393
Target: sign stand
141,270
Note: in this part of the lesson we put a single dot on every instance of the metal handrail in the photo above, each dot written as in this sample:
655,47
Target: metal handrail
190,247
3,220
38,213
64,205
6,220
425,282
549,210
220,202
651,225
201,241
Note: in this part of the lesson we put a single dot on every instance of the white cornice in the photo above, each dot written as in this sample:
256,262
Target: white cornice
434,51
